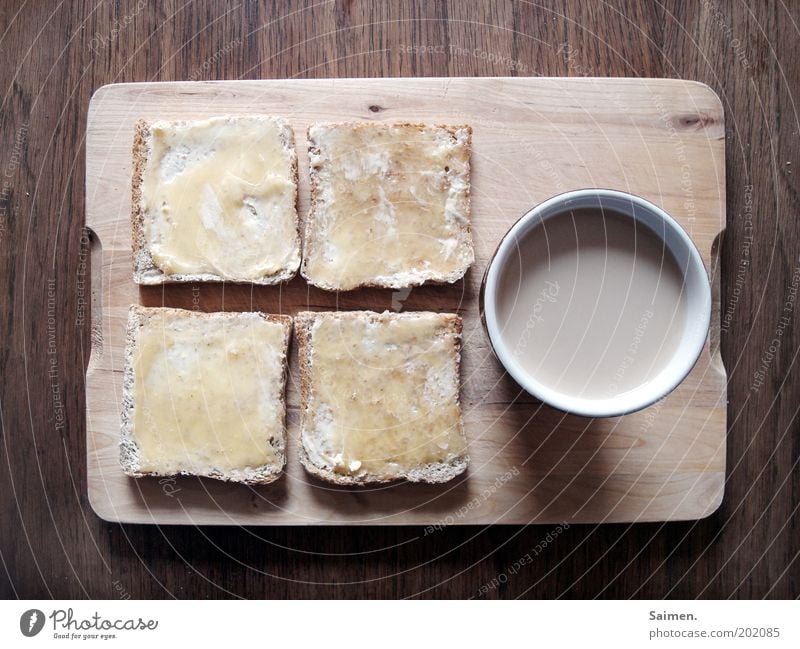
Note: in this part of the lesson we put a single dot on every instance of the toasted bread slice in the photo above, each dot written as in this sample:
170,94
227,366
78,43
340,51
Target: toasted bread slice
379,396
215,200
203,395
389,205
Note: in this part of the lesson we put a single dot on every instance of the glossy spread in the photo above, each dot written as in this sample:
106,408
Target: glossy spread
219,198
389,205
207,392
383,398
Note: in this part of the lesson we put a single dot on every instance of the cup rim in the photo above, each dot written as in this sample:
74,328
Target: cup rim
681,363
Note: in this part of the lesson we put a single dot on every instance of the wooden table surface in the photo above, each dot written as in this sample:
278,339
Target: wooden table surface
54,57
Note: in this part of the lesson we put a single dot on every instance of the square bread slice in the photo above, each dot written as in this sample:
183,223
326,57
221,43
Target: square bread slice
389,205
203,394
379,396
215,200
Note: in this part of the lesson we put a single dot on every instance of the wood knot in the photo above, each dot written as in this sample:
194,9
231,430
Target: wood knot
695,121
375,108
709,125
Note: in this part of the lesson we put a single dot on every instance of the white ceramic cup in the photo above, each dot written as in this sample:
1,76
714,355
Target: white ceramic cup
696,286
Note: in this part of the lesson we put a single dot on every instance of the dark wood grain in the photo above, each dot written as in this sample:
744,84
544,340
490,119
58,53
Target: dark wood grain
55,57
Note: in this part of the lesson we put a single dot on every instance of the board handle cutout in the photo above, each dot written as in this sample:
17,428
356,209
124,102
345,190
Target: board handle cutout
715,330
96,297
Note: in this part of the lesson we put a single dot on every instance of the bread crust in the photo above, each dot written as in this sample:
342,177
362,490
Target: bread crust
465,230
433,473
129,449
145,271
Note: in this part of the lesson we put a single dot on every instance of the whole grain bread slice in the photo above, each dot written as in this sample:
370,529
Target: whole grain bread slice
319,209
129,449
145,271
433,472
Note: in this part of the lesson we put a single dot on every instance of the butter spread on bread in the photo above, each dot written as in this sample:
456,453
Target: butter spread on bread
389,205
215,200
380,396
204,394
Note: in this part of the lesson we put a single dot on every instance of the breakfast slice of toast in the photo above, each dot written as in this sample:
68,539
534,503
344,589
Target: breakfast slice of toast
203,394
380,396
215,200
389,205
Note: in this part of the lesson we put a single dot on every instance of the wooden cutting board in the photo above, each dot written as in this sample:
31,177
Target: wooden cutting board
533,138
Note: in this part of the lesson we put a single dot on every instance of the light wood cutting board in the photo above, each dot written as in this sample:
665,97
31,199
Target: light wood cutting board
533,138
